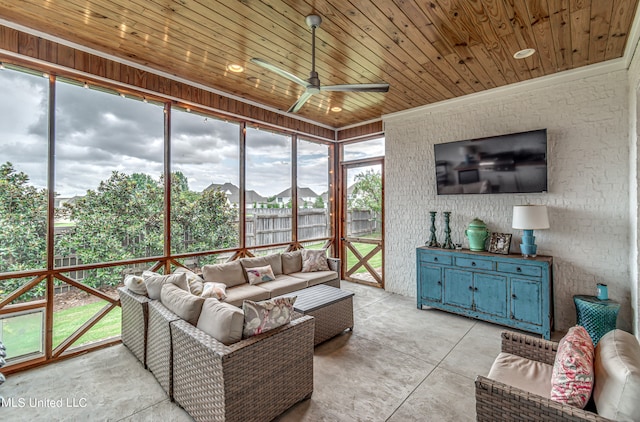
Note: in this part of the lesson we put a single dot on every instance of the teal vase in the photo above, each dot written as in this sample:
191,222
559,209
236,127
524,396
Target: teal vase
477,234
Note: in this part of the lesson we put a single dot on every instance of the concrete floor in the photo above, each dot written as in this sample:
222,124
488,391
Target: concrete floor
399,364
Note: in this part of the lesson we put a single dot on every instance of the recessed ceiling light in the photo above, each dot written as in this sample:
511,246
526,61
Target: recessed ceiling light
336,109
236,68
523,54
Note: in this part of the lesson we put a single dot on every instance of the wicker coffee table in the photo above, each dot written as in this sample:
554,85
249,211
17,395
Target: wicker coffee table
332,309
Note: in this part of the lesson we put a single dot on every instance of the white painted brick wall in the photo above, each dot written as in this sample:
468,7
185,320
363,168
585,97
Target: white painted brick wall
634,134
587,124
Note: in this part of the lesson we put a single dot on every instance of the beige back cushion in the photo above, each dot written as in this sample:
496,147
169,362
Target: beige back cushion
229,273
154,283
182,303
262,261
291,262
617,368
221,321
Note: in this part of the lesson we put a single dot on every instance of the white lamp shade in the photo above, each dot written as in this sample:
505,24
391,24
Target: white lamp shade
530,217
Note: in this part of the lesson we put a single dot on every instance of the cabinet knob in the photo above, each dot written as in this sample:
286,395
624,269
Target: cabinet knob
435,259
473,264
518,269
471,288
513,296
439,283
475,289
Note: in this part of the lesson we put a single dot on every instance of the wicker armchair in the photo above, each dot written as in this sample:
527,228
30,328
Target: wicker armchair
159,350
255,379
135,311
496,401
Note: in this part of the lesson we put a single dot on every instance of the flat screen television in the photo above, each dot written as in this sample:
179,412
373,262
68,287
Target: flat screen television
513,163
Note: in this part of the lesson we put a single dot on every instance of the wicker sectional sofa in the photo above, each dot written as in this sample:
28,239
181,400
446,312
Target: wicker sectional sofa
256,378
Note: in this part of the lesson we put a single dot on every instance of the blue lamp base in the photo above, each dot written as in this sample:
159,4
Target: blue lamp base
528,246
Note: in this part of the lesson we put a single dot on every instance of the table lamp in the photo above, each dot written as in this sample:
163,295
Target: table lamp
529,218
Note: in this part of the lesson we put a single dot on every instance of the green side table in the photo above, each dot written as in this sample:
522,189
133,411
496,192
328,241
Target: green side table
597,316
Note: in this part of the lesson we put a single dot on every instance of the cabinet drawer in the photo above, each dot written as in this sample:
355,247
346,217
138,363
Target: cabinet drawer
474,263
436,259
529,270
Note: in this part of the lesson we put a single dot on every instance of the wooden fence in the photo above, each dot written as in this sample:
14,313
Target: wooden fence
267,226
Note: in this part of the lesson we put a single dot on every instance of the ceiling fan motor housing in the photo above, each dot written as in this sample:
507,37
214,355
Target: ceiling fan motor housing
314,83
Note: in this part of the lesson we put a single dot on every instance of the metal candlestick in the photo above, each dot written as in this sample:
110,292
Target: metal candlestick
448,243
433,242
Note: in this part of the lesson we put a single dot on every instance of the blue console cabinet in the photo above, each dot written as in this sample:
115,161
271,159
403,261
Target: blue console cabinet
505,289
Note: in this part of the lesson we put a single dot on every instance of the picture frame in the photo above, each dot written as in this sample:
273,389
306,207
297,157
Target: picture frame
500,243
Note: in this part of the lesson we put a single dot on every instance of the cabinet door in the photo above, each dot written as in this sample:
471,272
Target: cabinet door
458,288
431,283
490,294
525,300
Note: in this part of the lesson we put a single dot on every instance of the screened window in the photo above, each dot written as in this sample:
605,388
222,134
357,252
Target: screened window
23,172
206,183
313,190
363,149
268,188
109,167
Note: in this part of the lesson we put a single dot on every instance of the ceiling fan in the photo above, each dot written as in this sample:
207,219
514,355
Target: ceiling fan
312,85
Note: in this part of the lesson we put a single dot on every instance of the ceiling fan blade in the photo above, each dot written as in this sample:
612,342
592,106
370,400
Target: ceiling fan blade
298,105
382,87
284,73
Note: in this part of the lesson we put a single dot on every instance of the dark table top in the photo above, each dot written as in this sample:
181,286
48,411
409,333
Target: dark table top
316,297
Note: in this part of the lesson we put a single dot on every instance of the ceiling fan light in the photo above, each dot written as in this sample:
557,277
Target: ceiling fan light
235,68
336,109
523,54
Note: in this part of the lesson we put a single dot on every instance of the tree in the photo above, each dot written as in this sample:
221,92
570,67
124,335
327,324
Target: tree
318,203
367,192
23,217
23,227
367,195
124,219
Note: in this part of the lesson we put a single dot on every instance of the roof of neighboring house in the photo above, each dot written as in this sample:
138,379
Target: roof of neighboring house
233,193
302,193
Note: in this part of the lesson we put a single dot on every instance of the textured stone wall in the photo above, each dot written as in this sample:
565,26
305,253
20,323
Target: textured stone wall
587,124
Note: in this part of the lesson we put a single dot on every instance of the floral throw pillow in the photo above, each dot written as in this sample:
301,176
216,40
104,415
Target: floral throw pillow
260,274
214,290
314,260
572,376
260,317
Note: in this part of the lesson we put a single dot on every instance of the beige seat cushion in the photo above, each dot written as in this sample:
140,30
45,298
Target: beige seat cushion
291,262
522,373
262,261
222,321
229,273
316,277
283,284
182,303
237,294
617,366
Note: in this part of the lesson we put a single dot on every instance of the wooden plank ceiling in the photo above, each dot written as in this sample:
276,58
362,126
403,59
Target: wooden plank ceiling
428,51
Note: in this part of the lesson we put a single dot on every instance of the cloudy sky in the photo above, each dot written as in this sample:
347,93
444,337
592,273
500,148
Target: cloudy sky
97,133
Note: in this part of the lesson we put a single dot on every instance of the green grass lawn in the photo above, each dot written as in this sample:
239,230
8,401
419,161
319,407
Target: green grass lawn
23,334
